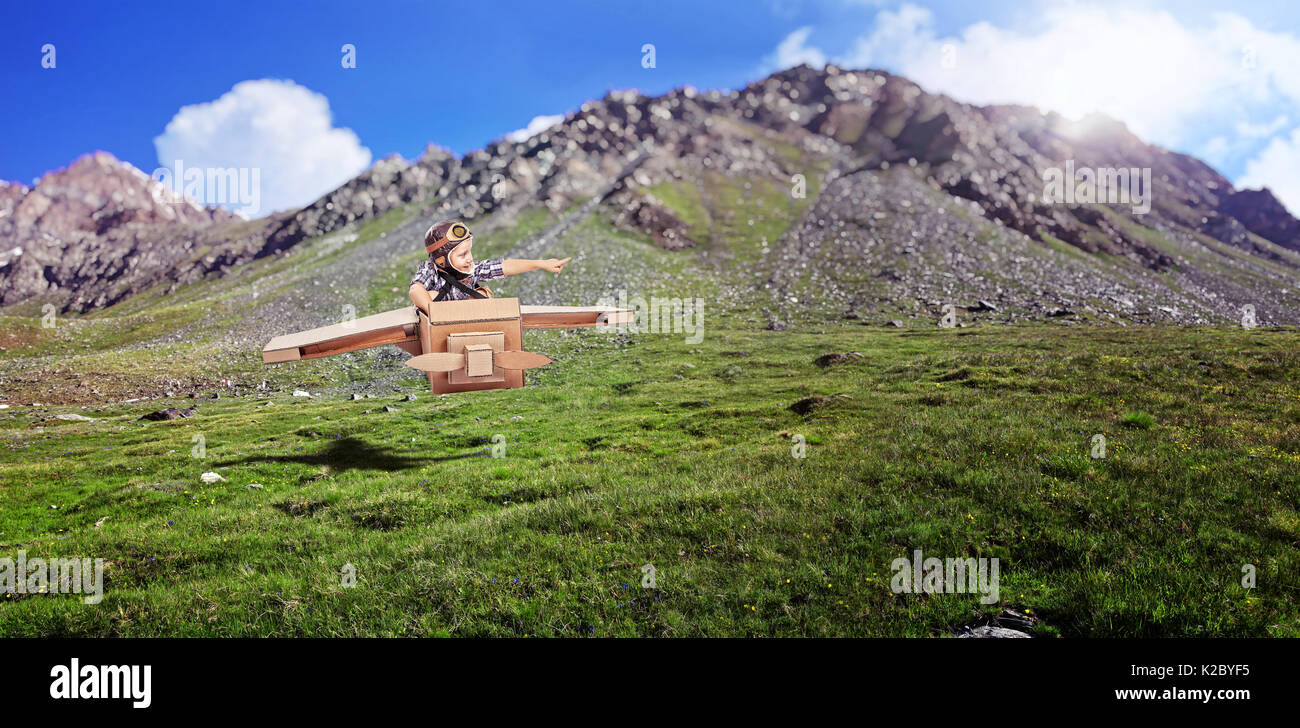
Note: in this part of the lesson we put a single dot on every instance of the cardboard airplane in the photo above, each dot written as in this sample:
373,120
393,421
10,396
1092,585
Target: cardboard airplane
462,346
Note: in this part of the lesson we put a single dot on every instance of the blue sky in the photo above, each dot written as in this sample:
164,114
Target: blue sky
1212,79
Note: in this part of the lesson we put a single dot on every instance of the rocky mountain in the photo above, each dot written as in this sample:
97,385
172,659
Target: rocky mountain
94,230
1260,212
855,192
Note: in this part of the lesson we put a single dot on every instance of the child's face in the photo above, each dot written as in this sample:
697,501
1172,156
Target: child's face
462,256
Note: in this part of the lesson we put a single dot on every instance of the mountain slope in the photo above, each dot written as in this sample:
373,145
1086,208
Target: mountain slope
1203,251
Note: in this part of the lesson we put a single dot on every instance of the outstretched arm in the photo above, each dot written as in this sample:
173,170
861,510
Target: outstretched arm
513,266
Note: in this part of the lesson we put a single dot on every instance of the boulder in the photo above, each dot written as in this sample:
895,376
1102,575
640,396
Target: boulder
171,413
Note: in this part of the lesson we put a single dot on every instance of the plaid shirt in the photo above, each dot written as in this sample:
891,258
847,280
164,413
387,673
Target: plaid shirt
484,270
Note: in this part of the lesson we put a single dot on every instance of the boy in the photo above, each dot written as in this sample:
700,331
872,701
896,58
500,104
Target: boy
450,273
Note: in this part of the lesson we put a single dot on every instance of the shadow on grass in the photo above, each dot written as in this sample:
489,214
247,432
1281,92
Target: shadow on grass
350,453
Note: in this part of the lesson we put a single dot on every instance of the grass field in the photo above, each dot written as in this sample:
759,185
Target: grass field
643,449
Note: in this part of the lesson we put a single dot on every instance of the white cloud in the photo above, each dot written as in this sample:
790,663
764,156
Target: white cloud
1144,67
538,125
282,130
1173,83
793,51
1275,168
1247,129
1246,139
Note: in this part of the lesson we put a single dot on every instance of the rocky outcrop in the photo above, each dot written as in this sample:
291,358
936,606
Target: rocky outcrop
1260,212
648,214
98,230
388,184
97,194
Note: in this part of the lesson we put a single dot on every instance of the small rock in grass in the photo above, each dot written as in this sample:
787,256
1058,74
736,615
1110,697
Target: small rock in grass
75,418
210,477
254,486
826,360
810,404
989,632
301,393
1011,619
171,413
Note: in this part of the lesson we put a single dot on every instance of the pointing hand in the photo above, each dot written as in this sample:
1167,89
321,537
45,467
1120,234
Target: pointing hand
554,265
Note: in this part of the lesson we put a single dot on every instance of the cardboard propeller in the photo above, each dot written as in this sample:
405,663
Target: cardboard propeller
445,362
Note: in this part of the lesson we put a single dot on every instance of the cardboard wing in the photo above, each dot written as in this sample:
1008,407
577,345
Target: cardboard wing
565,317
401,327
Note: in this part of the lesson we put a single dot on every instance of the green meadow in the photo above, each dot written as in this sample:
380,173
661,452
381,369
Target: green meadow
532,512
